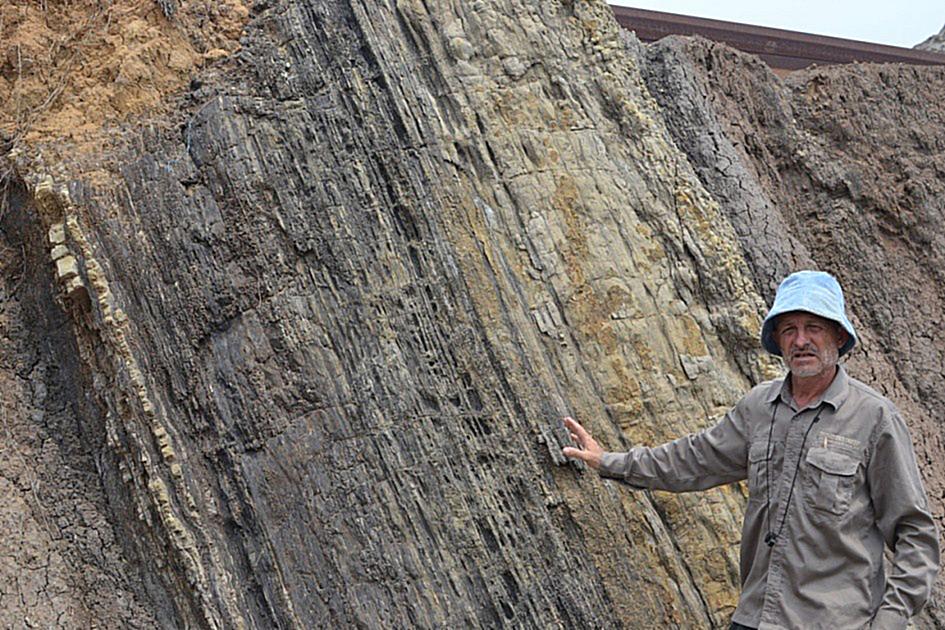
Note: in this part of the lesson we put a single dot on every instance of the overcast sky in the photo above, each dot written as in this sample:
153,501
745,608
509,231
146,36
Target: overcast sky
902,23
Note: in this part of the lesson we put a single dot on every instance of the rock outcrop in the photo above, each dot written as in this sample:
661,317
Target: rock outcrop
934,43
287,335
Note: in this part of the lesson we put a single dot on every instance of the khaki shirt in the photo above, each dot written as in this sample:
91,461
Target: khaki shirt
857,488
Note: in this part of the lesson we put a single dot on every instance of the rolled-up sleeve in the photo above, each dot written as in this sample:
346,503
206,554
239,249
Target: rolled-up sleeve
903,518
703,460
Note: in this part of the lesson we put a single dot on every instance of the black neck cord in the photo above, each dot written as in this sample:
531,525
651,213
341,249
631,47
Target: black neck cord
768,535
772,537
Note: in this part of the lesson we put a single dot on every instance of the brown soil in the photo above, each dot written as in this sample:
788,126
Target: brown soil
67,68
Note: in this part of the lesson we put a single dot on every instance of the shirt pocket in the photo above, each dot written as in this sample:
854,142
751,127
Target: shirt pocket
758,471
829,477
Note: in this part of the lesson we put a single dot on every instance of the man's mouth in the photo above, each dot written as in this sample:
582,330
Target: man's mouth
803,355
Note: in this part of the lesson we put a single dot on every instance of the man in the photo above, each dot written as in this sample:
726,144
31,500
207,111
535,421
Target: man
832,477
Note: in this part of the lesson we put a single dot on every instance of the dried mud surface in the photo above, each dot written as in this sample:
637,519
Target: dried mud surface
290,317
61,565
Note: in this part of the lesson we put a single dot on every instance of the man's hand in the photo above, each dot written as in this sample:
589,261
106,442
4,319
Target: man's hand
589,451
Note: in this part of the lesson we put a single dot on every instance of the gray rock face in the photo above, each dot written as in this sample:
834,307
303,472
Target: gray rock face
293,353
934,43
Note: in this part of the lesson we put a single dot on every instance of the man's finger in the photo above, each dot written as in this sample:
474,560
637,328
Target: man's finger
576,428
575,453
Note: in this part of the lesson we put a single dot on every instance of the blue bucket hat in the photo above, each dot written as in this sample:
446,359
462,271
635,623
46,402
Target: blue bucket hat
814,292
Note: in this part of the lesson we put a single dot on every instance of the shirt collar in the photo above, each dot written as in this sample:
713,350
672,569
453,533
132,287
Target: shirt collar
834,396
838,390
775,388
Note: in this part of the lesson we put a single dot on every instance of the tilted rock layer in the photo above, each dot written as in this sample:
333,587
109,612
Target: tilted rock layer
288,346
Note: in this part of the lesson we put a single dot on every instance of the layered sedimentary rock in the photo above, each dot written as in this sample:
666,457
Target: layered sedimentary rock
287,344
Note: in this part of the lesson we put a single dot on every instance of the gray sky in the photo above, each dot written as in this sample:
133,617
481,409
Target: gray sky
902,23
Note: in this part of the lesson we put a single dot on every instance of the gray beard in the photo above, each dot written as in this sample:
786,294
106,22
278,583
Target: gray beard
828,359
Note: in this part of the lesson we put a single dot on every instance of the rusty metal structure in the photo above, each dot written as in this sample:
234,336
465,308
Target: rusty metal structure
781,49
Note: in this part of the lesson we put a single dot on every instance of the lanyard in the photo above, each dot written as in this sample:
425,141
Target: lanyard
771,537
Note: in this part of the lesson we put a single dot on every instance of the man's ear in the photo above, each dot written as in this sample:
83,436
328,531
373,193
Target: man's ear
842,336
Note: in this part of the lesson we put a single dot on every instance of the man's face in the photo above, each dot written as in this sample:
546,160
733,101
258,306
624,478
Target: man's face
809,344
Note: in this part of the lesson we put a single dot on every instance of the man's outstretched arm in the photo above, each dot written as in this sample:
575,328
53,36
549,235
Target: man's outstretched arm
703,460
